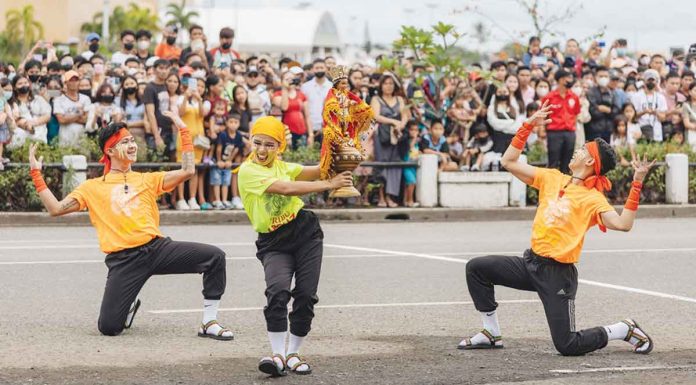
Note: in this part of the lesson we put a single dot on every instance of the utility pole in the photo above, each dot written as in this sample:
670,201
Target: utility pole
105,22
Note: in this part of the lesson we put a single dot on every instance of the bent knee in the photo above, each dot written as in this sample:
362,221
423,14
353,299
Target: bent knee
110,328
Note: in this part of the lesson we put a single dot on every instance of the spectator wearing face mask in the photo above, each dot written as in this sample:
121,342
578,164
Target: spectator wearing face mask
603,108
541,88
689,116
673,97
651,107
617,57
92,41
127,48
30,113
71,110
167,48
224,53
565,107
259,98
316,90
104,111
197,46
143,38
5,119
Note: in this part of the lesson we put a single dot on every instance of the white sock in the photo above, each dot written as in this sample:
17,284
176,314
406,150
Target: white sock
617,331
295,343
210,310
277,340
490,322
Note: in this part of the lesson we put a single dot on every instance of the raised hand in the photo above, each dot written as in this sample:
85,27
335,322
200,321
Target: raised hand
641,167
33,163
540,117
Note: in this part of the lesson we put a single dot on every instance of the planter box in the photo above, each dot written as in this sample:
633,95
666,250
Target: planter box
474,189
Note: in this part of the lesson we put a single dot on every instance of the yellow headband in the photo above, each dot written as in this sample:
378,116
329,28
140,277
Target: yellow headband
271,126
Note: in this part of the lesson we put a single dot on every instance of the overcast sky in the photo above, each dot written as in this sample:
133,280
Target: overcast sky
647,24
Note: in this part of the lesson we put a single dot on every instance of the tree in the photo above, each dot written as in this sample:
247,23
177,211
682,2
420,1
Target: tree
481,33
133,18
179,16
20,26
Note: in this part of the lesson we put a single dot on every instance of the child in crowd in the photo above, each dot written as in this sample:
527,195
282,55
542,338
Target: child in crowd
461,114
216,124
673,127
633,131
434,142
456,148
228,145
479,144
410,172
619,139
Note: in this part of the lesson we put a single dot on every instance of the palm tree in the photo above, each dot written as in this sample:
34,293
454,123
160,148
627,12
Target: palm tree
21,26
179,16
133,18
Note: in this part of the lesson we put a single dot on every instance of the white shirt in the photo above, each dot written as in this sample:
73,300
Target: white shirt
656,101
119,58
32,110
316,94
70,134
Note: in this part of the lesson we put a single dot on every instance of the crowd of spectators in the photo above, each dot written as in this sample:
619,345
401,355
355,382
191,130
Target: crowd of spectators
604,91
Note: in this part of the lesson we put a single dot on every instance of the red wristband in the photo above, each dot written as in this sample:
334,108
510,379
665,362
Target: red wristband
634,196
38,179
186,140
520,138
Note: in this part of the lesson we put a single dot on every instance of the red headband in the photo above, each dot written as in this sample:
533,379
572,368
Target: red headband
597,181
111,142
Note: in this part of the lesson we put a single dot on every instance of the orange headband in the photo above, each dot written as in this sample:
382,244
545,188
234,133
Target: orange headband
111,142
596,181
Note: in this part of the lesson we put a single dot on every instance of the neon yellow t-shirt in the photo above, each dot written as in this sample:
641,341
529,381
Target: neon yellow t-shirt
267,212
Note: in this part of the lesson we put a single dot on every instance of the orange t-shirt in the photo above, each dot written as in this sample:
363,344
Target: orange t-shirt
123,220
166,51
560,224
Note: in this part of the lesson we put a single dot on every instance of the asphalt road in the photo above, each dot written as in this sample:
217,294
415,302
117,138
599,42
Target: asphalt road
393,306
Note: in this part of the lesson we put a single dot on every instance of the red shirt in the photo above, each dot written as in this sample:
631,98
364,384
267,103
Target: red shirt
564,111
293,117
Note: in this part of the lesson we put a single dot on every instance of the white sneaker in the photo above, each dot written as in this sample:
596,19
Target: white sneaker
217,205
182,205
237,203
193,204
464,168
475,168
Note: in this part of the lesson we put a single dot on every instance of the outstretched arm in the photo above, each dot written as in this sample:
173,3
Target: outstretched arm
300,187
523,171
188,165
624,222
50,202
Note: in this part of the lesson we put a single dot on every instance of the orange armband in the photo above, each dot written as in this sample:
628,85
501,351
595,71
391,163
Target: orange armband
522,135
186,140
38,179
634,196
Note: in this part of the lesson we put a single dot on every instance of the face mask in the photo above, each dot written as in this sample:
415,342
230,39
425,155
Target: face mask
630,94
143,45
569,83
171,40
128,46
11,76
541,92
53,93
107,98
197,45
34,78
621,52
503,98
645,60
7,95
129,90
94,47
226,45
132,71
23,90
87,93
577,90
198,74
319,74
603,81
650,85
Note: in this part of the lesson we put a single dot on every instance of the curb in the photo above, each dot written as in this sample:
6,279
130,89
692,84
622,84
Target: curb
438,214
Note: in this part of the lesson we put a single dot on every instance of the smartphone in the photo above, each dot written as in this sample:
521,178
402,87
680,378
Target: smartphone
38,57
192,83
602,43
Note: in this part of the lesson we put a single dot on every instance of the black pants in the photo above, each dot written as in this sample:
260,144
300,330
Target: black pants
556,284
561,145
130,269
294,249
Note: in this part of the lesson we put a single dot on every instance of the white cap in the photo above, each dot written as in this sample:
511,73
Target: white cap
296,70
151,61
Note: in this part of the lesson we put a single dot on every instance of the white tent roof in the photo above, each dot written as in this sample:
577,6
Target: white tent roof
273,30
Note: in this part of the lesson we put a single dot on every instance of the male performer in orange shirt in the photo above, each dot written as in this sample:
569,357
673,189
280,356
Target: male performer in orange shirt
123,209
568,207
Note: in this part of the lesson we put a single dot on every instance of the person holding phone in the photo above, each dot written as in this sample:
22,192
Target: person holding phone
293,104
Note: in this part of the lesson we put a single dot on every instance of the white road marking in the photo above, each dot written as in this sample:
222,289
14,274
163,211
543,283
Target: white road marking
96,246
87,261
462,260
352,305
621,369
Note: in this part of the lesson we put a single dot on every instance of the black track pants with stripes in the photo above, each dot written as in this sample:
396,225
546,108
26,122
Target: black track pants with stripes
556,284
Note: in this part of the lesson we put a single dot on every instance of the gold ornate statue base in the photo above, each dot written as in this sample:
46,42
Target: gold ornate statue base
346,158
